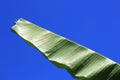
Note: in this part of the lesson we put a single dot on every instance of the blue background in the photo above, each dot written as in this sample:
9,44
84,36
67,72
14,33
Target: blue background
92,23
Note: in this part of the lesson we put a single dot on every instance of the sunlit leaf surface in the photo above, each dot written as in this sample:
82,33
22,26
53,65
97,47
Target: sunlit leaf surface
81,62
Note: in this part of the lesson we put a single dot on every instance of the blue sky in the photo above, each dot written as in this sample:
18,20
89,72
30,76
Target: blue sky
92,23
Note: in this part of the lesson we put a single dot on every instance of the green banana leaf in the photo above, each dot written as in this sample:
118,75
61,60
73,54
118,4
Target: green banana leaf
81,62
